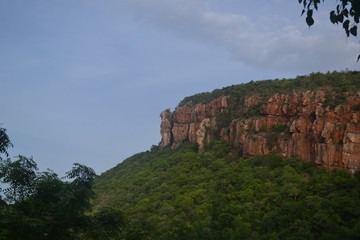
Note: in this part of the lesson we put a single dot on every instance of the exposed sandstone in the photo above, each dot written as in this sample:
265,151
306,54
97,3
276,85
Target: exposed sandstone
314,131
166,128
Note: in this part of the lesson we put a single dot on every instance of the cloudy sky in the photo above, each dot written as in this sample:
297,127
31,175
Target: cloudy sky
85,80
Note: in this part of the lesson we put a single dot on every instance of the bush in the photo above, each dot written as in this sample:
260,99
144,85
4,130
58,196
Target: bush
356,107
331,82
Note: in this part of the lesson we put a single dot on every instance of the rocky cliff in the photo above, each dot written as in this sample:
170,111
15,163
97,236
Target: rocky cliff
317,126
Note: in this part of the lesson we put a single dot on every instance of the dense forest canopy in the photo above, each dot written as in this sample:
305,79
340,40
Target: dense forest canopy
181,194
216,194
335,81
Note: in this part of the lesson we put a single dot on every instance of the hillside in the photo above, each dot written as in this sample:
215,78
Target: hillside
182,194
210,178
335,81
315,117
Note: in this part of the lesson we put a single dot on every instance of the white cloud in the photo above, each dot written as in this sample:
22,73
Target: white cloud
285,49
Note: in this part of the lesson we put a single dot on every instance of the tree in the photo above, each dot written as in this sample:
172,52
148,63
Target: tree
347,13
5,142
19,176
107,223
41,206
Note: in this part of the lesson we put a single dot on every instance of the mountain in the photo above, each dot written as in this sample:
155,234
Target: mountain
316,118
273,159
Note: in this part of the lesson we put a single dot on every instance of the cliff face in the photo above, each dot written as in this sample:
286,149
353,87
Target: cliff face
319,127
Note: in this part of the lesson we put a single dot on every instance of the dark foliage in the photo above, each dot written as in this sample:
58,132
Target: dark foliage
5,142
40,206
331,82
346,13
182,194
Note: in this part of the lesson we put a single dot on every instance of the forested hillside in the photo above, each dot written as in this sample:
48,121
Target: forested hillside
220,171
182,194
314,117
331,81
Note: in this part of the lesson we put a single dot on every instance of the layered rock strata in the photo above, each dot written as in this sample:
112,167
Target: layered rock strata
318,127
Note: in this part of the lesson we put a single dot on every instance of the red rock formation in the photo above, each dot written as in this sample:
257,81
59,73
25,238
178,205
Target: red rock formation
166,128
329,137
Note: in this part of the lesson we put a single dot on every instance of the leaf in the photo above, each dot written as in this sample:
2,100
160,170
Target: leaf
352,11
302,13
309,21
347,33
309,4
333,17
353,30
346,27
316,2
345,12
344,3
358,58
340,18
309,13
356,19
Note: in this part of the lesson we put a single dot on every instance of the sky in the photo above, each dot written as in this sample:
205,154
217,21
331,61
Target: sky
84,81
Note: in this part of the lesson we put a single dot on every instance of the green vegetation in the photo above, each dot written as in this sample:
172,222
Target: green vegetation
5,142
252,112
278,131
356,107
40,206
182,194
224,119
333,101
335,81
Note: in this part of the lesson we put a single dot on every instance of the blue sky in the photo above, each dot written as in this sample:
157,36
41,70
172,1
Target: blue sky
85,80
